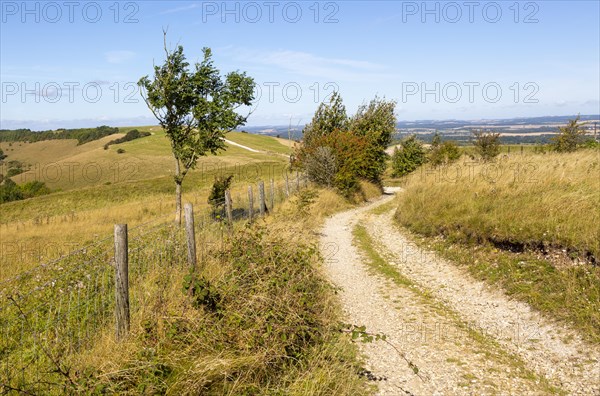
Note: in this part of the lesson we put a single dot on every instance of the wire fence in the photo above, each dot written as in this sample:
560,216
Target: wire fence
55,310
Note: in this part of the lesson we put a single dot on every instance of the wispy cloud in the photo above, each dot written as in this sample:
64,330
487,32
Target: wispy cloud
180,9
119,56
307,64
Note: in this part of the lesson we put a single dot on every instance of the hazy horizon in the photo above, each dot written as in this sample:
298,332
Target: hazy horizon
438,60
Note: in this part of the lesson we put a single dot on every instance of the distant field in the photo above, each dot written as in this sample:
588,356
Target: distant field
260,142
132,188
63,165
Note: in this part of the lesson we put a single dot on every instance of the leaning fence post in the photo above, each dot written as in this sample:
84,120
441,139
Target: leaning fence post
228,207
261,197
272,193
250,203
121,282
190,234
287,184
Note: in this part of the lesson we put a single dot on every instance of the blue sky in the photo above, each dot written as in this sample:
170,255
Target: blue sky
76,64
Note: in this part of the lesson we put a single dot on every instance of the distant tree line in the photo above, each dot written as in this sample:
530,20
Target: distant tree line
411,153
129,136
465,139
82,135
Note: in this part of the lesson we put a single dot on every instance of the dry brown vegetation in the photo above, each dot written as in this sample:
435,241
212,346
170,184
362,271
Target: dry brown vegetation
526,222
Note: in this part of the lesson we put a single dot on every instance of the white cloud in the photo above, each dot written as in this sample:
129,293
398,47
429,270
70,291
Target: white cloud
180,9
306,64
119,56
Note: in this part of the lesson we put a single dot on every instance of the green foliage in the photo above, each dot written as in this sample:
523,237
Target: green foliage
2,155
339,151
120,151
409,157
352,159
195,107
487,144
34,189
360,333
305,199
202,292
129,136
14,171
377,122
83,135
216,198
591,144
570,137
11,191
328,118
443,153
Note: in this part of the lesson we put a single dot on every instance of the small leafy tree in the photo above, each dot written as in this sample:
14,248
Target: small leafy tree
195,108
216,198
442,153
487,144
10,191
436,140
328,118
570,137
377,122
409,157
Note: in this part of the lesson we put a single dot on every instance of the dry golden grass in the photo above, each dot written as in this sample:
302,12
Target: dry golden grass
529,224
201,354
547,200
176,347
134,188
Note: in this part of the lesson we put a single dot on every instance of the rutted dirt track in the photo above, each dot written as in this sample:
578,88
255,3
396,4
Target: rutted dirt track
466,338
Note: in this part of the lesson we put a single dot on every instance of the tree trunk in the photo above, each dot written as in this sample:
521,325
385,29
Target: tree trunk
178,182
178,203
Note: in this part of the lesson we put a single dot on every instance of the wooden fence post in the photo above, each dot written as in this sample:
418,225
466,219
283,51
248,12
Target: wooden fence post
190,234
287,185
305,178
250,203
228,207
261,197
297,181
272,194
121,282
